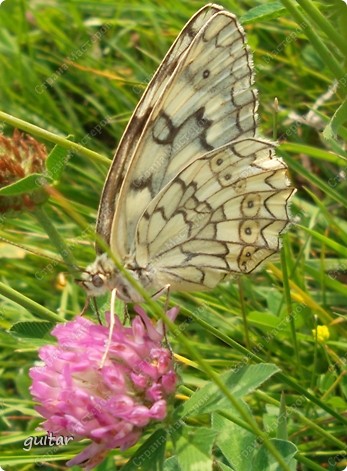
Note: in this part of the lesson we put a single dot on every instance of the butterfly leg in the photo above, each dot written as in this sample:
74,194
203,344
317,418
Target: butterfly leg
166,308
167,289
85,307
111,327
96,310
125,313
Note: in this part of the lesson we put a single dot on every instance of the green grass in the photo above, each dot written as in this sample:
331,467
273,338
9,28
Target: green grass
55,77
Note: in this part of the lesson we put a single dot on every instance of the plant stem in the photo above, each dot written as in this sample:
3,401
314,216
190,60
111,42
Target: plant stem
244,315
295,412
51,137
56,239
288,300
316,42
325,26
28,304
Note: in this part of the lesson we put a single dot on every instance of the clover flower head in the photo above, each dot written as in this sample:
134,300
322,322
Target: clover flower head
20,156
111,405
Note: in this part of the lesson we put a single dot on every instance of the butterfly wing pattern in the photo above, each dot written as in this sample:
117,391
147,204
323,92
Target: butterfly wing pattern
193,196
127,146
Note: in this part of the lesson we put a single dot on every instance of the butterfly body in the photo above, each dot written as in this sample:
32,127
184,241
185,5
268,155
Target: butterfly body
103,276
194,195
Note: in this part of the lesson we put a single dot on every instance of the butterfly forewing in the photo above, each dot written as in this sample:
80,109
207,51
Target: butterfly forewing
207,102
148,101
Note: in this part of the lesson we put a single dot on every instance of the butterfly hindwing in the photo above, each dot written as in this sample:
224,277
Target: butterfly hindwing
223,214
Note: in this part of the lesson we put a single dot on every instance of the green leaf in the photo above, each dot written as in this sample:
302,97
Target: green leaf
194,447
25,185
7,339
106,465
263,319
223,467
282,432
56,162
35,329
337,402
340,117
150,456
264,460
314,152
236,443
264,12
23,382
316,181
171,464
240,382
338,248
343,386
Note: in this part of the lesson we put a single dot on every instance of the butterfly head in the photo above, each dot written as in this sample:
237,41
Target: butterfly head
102,276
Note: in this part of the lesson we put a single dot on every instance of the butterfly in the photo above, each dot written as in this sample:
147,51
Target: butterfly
194,195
